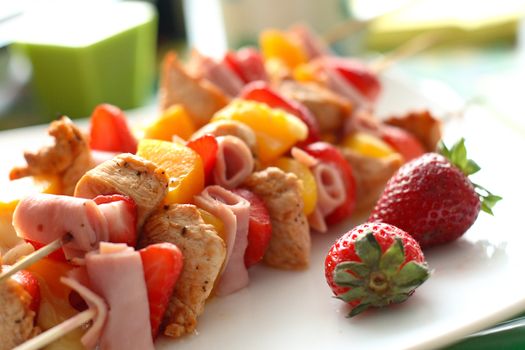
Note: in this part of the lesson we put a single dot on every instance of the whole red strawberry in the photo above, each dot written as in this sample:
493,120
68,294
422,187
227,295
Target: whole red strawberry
374,265
432,198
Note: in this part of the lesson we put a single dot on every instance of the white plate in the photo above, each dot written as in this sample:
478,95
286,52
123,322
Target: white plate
476,281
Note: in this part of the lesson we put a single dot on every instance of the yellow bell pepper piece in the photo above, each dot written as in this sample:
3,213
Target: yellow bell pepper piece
217,223
11,194
182,165
276,44
367,145
54,305
309,188
276,131
173,121
304,73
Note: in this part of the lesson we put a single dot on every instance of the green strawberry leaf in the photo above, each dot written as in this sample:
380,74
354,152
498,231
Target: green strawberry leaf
359,269
471,167
488,200
458,154
393,258
344,278
353,294
368,249
358,309
399,298
411,275
443,150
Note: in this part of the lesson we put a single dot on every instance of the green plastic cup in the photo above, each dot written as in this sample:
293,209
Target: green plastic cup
84,56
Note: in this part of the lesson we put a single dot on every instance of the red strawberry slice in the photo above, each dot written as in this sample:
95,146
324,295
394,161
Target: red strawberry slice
206,146
261,92
162,264
358,75
260,229
402,141
328,153
247,63
110,131
57,255
30,284
121,214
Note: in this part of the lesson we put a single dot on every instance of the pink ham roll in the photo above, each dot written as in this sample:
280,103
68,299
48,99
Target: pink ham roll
116,274
331,193
233,211
234,162
44,218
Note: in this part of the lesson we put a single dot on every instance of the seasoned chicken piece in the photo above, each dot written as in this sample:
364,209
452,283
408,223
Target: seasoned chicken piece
16,319
204,253
329,109
371,176
231,128
129,175
69,157
200,98
422,125
290,243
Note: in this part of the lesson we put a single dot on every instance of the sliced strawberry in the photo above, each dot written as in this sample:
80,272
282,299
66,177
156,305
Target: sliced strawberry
328,153
110,131
121,214
57,255
206,146
260,229
402,141
358,75
247,63
162,264
261,92
30,284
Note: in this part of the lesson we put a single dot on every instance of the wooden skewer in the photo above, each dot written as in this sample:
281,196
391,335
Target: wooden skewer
350,26
409,48
35,256
58,331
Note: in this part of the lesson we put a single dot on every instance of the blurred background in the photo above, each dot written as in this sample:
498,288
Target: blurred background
64,57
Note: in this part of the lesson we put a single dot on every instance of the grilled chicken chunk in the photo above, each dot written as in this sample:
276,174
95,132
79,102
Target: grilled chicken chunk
329,109
69,157
16,319
371,176
290,243
200,98
422,125
204,253
129,175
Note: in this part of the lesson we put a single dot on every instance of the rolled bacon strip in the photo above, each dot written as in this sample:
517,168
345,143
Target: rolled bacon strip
116,274
45,218
234,162
233,211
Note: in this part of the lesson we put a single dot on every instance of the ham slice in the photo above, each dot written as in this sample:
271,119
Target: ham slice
233,211
217,73
331,193
116,274
95,302
234,162
44,218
